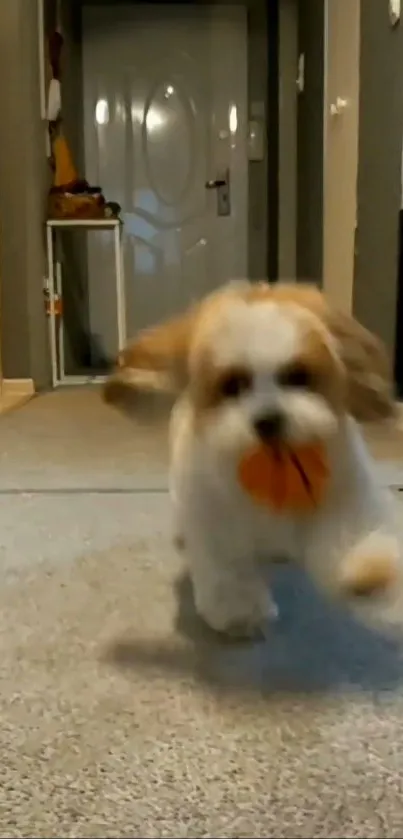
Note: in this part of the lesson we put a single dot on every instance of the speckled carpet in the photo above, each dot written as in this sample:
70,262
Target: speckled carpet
120,717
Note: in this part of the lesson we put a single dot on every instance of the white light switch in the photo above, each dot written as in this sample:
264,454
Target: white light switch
394,11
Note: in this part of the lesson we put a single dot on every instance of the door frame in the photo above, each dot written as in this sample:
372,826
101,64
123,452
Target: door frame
273,138
289,214
295,231
340,286
288,137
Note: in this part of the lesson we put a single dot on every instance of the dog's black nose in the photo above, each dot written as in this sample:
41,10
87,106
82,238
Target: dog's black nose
269,427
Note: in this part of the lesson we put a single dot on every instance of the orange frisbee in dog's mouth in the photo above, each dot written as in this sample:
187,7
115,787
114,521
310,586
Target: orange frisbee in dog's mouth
285,478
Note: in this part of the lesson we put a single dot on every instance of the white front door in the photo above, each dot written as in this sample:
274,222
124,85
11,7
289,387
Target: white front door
341,149
165,102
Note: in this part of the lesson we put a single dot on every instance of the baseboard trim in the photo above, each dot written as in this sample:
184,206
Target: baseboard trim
19,386
15,393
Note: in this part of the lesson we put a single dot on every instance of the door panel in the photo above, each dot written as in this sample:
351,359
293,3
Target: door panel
165,106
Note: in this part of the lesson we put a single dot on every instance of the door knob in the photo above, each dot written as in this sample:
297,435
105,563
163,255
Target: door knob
338,106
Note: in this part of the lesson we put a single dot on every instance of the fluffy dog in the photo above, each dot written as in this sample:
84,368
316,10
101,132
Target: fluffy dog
259,362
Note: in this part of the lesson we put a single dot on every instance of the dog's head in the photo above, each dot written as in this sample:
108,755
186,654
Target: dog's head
270,362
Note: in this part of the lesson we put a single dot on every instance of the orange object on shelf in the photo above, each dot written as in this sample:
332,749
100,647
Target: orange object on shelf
286,479
65,171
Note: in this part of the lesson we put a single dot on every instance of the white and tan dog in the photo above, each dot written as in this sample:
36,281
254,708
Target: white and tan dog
255,361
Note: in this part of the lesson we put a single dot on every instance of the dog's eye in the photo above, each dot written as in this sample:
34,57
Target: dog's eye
234,384
296,376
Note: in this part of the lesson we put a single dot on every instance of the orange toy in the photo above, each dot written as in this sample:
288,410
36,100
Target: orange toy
288,480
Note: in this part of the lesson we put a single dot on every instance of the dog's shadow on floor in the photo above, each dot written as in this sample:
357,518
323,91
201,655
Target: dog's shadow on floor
313,647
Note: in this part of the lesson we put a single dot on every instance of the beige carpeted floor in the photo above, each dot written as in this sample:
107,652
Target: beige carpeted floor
120,716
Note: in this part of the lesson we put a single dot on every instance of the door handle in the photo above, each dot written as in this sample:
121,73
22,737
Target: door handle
215,184
222,186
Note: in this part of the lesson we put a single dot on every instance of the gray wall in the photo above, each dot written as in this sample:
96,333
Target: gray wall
379,168
22,180
310,141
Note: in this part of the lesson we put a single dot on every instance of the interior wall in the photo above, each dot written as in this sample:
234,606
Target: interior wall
379,171
23,177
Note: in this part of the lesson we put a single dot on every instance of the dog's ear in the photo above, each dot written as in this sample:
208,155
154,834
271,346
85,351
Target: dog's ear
157,359
370,395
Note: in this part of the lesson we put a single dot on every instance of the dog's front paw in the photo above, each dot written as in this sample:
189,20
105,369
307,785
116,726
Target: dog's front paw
239,621
249,630
371,569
